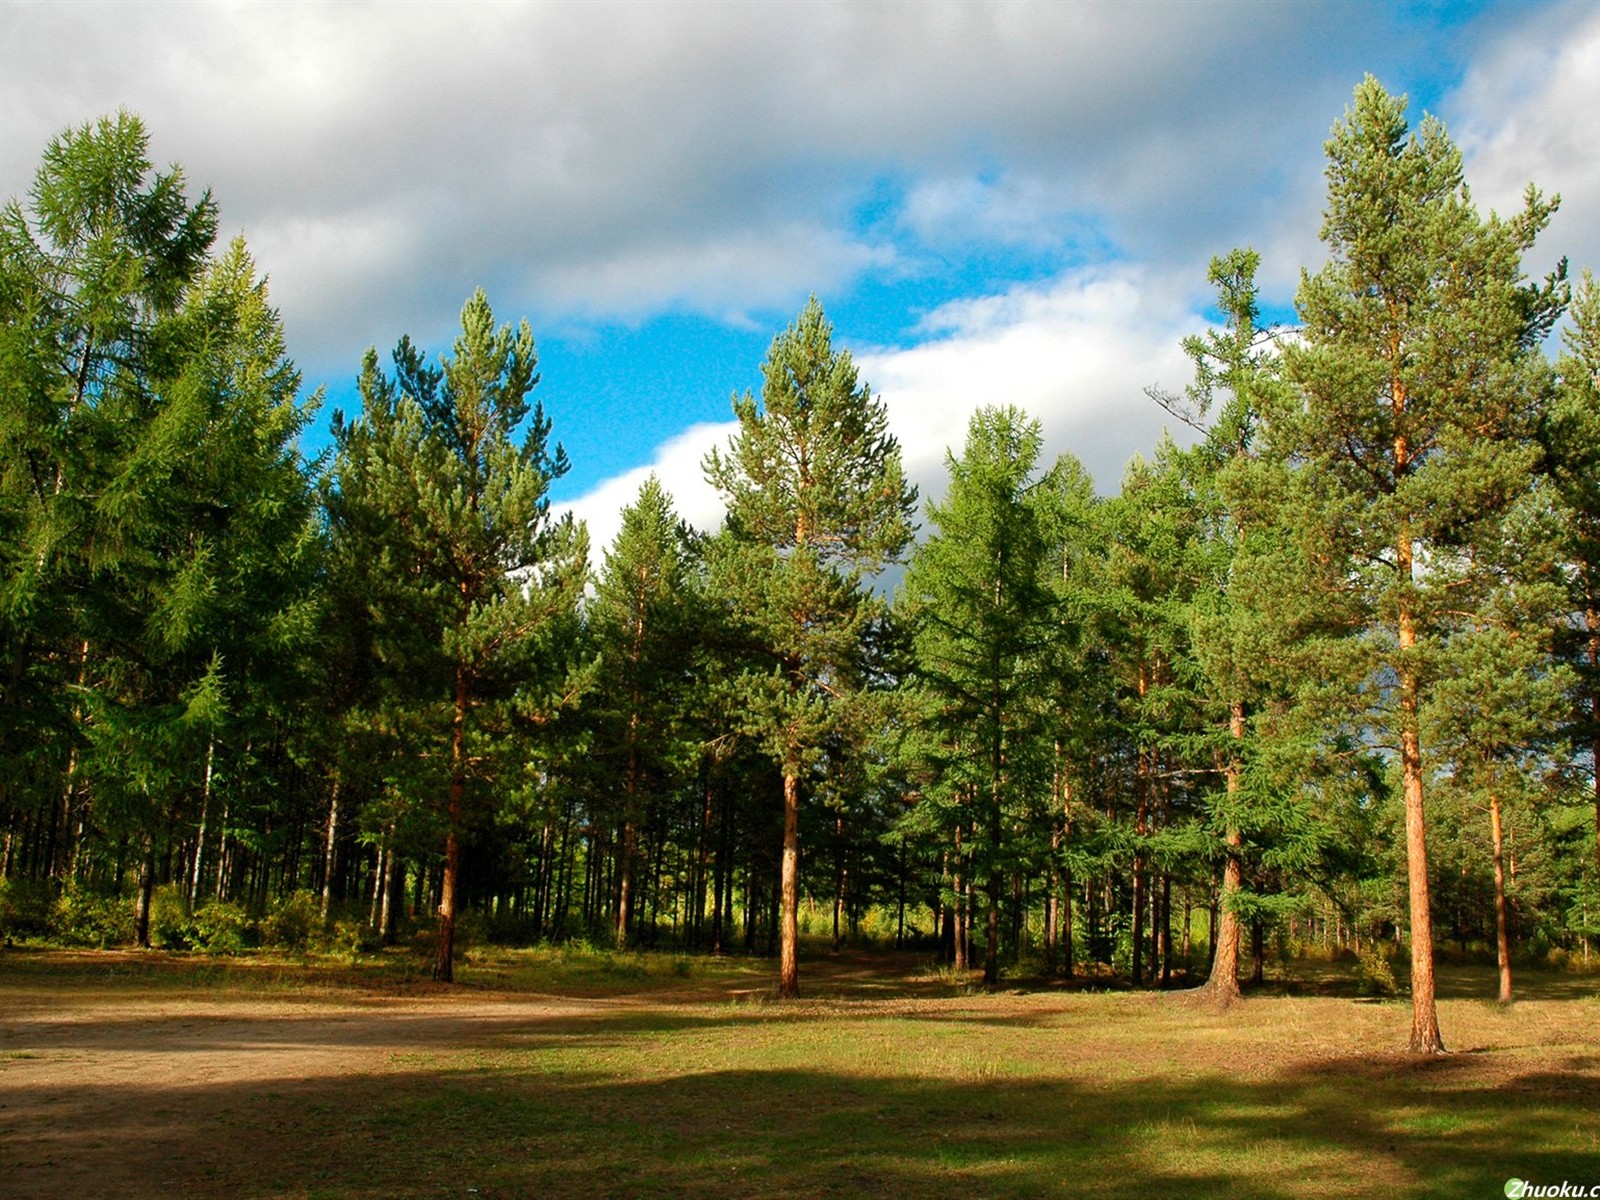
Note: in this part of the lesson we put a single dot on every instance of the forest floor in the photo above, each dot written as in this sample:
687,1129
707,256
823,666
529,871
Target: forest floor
553,1075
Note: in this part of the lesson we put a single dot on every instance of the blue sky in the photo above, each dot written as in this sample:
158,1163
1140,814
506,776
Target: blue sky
996,203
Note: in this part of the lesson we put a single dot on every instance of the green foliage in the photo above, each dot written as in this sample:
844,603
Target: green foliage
170,927
222,927
25,908
1375,974
293,923
81,917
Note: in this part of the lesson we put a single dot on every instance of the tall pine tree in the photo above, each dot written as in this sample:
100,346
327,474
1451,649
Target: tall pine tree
817,502
1420,379
449,468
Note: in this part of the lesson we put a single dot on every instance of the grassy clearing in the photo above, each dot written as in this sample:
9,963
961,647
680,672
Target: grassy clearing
581,1074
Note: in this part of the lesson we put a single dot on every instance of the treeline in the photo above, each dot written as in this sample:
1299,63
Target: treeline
1330,677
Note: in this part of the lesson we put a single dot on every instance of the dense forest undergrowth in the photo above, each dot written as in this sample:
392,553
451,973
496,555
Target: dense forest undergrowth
1323,686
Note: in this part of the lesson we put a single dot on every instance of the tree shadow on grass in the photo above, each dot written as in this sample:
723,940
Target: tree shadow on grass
534,1124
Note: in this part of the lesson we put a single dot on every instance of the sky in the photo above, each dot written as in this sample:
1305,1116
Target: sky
996,203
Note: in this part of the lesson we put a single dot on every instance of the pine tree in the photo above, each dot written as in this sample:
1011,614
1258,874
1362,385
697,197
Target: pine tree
1233,633
1420,380
817,501
1573,460
471,573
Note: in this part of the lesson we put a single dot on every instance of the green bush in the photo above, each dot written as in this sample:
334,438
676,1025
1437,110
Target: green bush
170,927
223,928
1374,974
351,937
24,909
292,921
83,918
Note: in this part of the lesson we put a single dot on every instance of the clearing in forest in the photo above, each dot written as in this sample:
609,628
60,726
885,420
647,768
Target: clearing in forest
549,1074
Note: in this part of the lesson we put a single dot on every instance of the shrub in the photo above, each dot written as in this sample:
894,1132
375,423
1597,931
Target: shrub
352,937
170,927
292,921
223,928
1375,975
84,918
24,908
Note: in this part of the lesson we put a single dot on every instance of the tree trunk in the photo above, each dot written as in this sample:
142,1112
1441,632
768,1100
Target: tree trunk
959,946
1502,939
329,859
838,877
141,908
1066,923
200,836
444,962
1425,1036
789,913
1592,616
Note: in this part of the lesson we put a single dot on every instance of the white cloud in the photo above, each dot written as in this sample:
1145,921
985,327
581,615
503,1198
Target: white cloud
677,466
1076,353
1522,115
619,159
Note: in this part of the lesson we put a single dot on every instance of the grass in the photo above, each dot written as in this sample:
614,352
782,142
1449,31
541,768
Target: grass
579,1073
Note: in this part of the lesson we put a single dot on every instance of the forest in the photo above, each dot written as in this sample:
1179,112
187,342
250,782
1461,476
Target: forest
1322,677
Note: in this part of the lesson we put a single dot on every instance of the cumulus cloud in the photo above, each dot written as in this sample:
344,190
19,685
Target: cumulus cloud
619,159
1518,117
1077,353
677,465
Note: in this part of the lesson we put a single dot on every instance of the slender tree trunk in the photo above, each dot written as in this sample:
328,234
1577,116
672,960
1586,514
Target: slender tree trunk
444,963
789,913
1425,1036
147,883
838,877
1502,939
329,852
630,800
200,837
1066,924
960,943
991,951
1593,618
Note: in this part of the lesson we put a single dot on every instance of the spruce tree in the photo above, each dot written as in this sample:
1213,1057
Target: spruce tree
639,622
980,608
1420,381
817,502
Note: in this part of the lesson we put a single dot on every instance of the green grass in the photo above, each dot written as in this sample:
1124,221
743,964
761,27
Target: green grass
579,1073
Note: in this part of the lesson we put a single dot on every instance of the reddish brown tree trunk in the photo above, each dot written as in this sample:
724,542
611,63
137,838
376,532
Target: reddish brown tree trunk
1425,1036
444,963
789,912
1223,982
